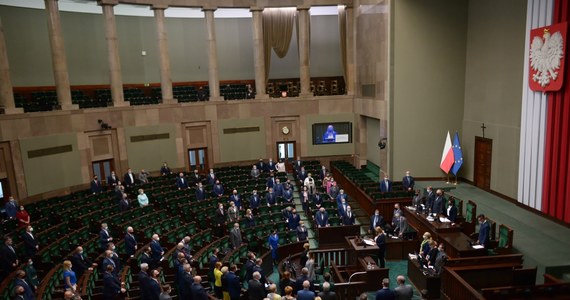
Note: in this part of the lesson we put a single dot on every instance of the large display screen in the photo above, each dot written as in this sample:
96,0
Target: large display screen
332,133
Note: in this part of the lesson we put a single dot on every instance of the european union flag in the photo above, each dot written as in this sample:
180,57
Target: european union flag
458,155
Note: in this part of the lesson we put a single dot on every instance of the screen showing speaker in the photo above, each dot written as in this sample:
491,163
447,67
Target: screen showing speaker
332,133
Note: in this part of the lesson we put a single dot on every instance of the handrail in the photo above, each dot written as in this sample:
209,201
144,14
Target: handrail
356,273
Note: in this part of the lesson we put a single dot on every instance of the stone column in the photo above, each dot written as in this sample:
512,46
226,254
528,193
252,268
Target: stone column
350,51
213,77
6,92
113,52
258,53
304,51
164,57
58,57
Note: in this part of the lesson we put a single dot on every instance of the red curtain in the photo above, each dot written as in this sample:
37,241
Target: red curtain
556,190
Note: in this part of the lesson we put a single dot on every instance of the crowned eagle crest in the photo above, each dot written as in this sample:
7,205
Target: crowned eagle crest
545,55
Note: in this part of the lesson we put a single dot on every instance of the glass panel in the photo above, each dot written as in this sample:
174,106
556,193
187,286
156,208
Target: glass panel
106,169
192,157
281,150
97,170
290,150
202,158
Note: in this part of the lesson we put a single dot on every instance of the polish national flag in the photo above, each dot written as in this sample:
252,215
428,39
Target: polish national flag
447,157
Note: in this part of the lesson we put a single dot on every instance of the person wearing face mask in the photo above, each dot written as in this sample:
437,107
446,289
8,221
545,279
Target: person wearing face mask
109,261
31,275
80,262
21,281
30,242
8,258
254,202
348,217
11,208
211,177
129,178
236,199
220,220
249,219
104,236
484,230
69,277
293,220
377,220
302,233
156,248
23,217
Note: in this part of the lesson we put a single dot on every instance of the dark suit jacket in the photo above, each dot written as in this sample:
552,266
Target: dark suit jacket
201,194
80,263
96,186
211,178
294,221
322,219
104,238
30,244
302,235
111,181
346,220
144,285
328,295
196,178
299,283
379,222
270,198
484,230
385,294
124,205
156,250
220,217
254,201
153,289
218,190
198,292
256,290
430,200
305,295
111,286
181,185
234,286
185,287
127,179
452,213
28,292
146,259
165,170
438,205
384,188
130,244
408,182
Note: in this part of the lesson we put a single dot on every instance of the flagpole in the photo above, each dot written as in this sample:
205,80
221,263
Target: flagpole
447,178
455,179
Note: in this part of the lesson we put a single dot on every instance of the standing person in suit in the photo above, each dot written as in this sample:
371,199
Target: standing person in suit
377,220
144,281
256,290
255,172
302,233
80,262
165,170
200,192
334,190
278,188
104,236
111,260
124,204
381,243
298,164
234,285
249,264
21,281
143,176
211,177
254,202
288,194
273,241
196,178
418,200
198,291
154,285
130,242
326,293
438,203
96,187
213,260
408,182
185,285
218,190
323,173
302,175
249,219
322,218
129,178
270,167
430,198
233,213
156,248
30,242
112,180
11,208
261,165
385,185
310,265
112,286
484,230
236,199
181,182
341,195
401,225
342,207
451,210
235,236
348,218
293,220
270,181
306,293
220,220
305,199
403,291
385,293
270,197
145,256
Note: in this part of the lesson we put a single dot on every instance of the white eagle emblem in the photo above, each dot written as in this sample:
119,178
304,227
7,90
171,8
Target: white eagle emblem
545,55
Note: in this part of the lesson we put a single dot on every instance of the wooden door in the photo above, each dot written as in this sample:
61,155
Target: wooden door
483,159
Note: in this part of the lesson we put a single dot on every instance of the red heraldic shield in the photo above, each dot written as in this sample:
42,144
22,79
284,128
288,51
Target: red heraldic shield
546,59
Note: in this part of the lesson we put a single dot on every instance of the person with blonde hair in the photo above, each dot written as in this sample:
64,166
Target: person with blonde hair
218,280
272,295
381,243
424,246
142,198
288,293
69,277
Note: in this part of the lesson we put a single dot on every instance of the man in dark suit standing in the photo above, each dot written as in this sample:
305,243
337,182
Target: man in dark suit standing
270,197
386,185
30,242
484,230
438,204
302,233
377,220
157,250
80,262
111,284
154,286
185,285
451,210
211,177
261,165
181,182
326,294
198,292
104,236
256,290
348,217
403,291
200,192
254,202
408,181
130,242
144,281
218,190
322,218
385,293
112,180
129,178
270,167
302,278
21,281
220,220
430,198
196,178
96,187
234,285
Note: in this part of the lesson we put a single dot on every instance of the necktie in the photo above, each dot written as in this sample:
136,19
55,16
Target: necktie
11,249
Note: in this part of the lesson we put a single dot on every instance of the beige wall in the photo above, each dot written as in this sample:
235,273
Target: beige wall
428,78
373,134
242,145
493,87
51,172
150,154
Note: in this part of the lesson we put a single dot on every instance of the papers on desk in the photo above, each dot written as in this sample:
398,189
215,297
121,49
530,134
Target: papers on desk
430,218
412,256
477,247
369,242
444,220
411,208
